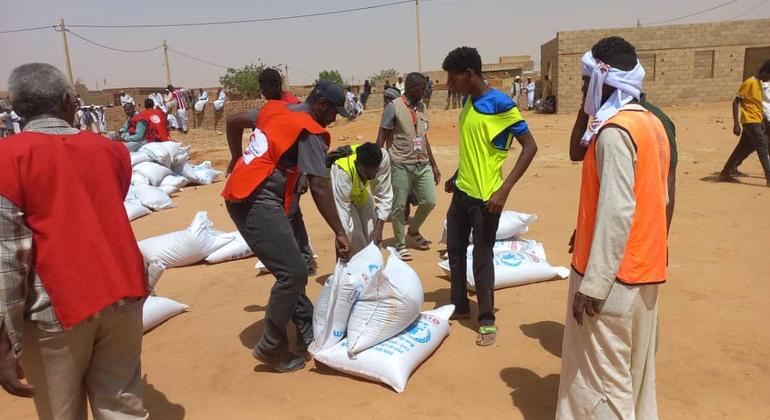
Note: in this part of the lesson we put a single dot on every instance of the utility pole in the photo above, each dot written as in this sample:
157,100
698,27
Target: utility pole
63,30
419,46
286,72
165,60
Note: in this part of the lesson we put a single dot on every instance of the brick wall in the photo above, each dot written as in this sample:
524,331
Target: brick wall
675,57
207,120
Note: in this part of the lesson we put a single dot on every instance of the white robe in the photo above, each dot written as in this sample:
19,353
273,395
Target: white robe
220,102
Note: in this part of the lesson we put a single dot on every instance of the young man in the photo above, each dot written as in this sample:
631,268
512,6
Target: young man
488,123
287,140
530,89
72,279
403,129
748,104
428,93
363,215
620,246
271,86
180,100
400,85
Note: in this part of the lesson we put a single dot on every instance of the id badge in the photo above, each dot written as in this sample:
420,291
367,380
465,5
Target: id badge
417,144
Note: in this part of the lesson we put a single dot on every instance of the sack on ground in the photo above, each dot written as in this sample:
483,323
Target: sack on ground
187,246
135,209
389,302
330,319
161,152
516,263
157,310
154,172
393,361
174,180
139,157
169,189
202,174
234,250
152,197
512,223
139,179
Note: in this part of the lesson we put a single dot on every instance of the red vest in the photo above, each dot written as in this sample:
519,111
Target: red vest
71,190
157,129
282,128
645,258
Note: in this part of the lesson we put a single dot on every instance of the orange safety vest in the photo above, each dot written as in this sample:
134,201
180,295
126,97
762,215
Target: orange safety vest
277,129
645,258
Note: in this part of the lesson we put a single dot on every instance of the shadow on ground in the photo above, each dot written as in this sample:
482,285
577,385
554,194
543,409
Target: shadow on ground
158,405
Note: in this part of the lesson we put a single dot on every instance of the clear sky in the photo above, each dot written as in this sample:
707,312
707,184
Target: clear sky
357,44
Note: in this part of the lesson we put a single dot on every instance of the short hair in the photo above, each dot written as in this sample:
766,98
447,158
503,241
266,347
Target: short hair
369,155
461,59
170,87
414,77
270,77
615,51
37,89
149,103
765,67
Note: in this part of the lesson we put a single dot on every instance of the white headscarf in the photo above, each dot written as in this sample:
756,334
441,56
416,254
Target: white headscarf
627,83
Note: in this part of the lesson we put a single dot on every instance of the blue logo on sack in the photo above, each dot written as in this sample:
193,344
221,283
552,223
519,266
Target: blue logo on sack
373,268
512,259
420,332
337,333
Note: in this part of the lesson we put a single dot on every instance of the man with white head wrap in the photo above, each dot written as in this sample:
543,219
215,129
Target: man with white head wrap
620,247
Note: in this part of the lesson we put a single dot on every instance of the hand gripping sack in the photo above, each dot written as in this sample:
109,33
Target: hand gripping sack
187,246
152,197
388,303
516,263
135,209
512,223
154,172
158,309
330,319
393,361
234,250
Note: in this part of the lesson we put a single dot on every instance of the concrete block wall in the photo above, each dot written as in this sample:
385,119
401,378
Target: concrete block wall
207,120
672,79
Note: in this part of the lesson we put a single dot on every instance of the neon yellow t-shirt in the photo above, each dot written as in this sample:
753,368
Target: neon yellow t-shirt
481,156
751,102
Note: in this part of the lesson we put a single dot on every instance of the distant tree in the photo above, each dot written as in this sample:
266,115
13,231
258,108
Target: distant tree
386,74
244,80
332,75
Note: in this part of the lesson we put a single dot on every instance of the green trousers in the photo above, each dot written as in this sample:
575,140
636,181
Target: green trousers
420,182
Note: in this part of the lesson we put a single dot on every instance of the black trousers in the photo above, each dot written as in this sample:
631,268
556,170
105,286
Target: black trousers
468,214
266,229
300,232
753,139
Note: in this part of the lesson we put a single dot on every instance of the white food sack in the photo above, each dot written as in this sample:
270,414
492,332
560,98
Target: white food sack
202,174
321,307
169,189
152,197
393,361
139,179
138,157
135,209
234,250
187,246
161,152
346,284
512,223
174,180
389,302
154,172
155,270
516,263
158,309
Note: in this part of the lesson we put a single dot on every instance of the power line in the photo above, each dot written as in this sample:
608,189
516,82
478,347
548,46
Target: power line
112,48
36,28
749,11
197,59
691,14
231,22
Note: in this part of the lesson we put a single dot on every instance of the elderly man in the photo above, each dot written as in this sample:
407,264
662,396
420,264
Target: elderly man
620,246
287,140
72,280
363,215
403,131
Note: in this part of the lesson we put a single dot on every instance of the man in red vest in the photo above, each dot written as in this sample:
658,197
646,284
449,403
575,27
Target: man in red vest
620,246
287,140
72,280
157,129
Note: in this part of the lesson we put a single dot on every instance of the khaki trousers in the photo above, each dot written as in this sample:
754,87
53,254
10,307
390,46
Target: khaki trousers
97,360
608,363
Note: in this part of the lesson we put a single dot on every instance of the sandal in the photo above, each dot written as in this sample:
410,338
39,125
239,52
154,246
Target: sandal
421,243
403,253
487,336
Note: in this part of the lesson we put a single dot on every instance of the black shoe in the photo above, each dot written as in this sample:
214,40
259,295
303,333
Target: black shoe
461,315
737,173
287,362
726,177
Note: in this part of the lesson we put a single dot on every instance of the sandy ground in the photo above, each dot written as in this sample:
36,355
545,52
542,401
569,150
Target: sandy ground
714,336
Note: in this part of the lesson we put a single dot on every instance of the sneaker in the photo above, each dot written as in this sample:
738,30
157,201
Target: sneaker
287,362
726,177
737,173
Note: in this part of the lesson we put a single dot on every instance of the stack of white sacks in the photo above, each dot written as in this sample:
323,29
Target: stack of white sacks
198,242
517,260
160,170
367,320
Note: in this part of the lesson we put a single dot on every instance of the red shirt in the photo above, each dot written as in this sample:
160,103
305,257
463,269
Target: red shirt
288,97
